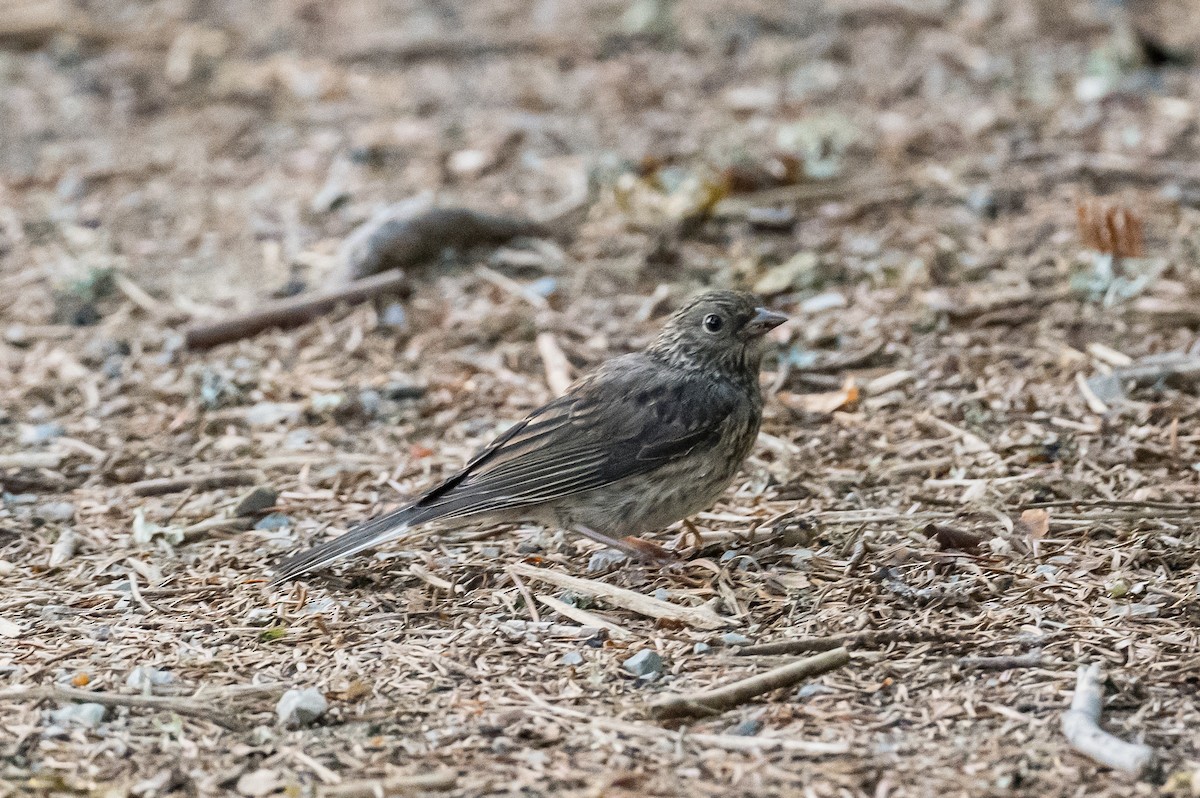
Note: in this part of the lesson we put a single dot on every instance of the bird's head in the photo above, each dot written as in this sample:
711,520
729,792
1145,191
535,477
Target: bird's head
718,330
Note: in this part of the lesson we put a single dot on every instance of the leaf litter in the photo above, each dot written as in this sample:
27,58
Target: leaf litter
979,467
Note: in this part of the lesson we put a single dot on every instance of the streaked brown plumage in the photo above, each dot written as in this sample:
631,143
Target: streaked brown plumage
645,440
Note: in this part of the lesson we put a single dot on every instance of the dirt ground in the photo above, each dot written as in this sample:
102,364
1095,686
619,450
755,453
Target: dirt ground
980,440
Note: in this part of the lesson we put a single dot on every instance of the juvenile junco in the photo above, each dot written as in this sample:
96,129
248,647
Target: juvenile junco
643,441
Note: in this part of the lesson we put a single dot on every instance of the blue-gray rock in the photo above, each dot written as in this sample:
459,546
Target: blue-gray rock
701,648
747,728
734,639
274,521
301,707
572,658
369,401
39,433
646,662
604,559
394,316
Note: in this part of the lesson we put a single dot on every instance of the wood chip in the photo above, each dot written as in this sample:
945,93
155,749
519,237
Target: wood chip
696,617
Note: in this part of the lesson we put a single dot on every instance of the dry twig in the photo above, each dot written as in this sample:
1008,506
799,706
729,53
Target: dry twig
1081,727
195,482
714,702
1031,659
166,703
854,640
293,312
697,617
438,781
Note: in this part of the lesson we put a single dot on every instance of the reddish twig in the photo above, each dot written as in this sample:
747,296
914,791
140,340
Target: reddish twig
295,311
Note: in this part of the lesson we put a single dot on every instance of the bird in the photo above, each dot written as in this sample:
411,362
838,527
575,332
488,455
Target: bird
647,439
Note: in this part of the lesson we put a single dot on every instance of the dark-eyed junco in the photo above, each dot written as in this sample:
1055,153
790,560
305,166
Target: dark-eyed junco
643,441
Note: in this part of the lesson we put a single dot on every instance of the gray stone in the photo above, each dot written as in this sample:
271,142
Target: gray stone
257,500
604,559
572,658
646,662
301,707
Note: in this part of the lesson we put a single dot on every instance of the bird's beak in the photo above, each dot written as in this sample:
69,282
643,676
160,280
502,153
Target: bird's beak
763,322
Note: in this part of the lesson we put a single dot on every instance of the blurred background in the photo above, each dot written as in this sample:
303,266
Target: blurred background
215,149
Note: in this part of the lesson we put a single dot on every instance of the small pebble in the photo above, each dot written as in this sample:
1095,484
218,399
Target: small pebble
39,433
771,218
701,648
323,403
144,677
7,568
605,559
369,402
256,501
394,316
88,715
301,707
572,658
260,616
274,521
646,662
544,286
811,689
734,639
747,728
403,390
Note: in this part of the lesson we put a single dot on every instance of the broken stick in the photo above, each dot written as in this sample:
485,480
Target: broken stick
1081,727
294,311
199,482
180,706
703,617
714,702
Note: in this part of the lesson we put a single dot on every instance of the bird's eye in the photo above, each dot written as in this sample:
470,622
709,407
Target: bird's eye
713,323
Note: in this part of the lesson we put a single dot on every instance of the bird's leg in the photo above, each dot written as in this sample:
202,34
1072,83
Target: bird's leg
642,550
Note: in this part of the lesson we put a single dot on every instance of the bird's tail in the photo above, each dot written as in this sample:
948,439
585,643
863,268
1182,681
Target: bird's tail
365,536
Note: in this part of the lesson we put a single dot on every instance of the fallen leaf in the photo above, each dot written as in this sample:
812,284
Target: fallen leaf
821,403
647,547
1034,524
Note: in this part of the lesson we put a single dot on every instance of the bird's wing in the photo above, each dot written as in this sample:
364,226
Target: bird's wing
627,420
630,418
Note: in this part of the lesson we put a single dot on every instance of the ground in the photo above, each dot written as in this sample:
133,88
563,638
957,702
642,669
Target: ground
969,449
